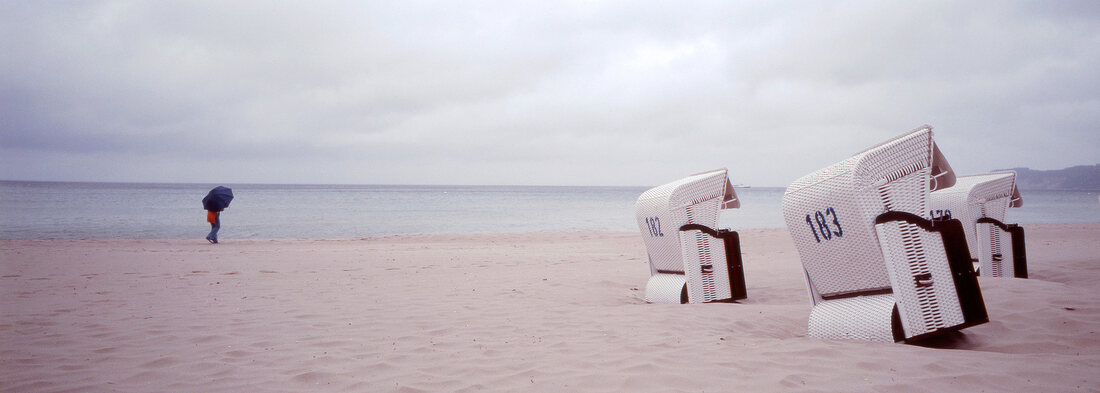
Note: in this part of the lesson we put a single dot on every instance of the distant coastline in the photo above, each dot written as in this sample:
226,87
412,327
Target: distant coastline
1076,178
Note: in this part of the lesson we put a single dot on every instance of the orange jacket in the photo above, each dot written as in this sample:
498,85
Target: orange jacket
211,217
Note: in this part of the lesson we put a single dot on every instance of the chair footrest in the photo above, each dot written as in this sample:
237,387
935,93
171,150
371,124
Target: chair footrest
666,288
868,318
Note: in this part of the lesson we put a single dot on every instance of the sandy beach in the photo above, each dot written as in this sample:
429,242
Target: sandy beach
515,312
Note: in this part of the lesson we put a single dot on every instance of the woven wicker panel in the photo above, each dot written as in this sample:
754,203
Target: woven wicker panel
858,318
662,210
996,208
986,237
1008,255
705,259
912,252
853,262
996,256
664,288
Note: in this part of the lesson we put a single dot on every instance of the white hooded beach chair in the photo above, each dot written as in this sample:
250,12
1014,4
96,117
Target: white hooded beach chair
875,269
980,203
691,261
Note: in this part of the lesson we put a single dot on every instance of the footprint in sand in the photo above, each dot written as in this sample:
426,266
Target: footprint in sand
238,354
207,339
160,363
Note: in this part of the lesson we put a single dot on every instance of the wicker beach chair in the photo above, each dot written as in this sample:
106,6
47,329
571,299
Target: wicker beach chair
980,203
690,260
875,269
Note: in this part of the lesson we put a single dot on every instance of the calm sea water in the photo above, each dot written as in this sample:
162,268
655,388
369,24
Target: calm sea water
44,210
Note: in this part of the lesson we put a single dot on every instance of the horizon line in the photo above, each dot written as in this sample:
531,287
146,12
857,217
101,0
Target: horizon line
350,184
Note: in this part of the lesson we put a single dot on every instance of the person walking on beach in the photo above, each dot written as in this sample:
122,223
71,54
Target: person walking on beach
214,218
215,201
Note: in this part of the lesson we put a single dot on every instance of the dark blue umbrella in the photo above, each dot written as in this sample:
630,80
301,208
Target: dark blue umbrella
217,199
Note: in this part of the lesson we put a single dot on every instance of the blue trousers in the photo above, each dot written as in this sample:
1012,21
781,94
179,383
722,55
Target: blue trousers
214,227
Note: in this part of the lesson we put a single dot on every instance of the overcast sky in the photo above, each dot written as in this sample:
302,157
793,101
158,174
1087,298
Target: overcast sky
547,92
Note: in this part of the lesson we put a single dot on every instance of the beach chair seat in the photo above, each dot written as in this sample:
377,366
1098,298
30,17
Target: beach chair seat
875,269
690,259
980,202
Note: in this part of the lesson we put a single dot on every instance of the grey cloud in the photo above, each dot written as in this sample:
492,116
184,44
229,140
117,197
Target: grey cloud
537,92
